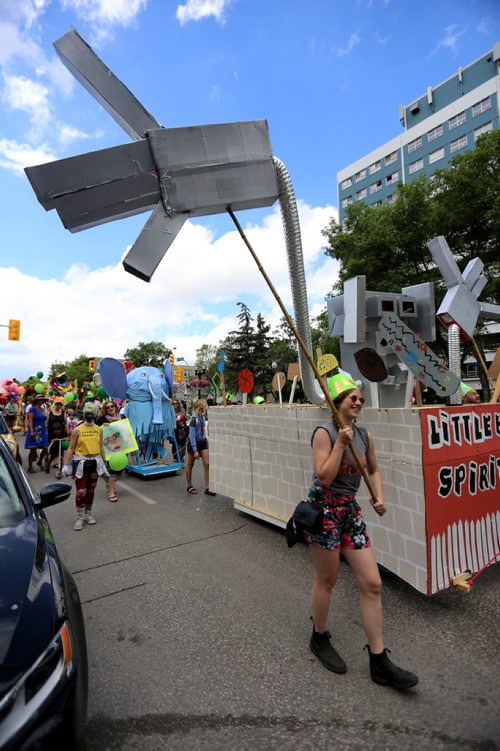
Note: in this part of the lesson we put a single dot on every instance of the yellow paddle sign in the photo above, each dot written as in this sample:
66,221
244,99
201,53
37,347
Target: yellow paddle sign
327,363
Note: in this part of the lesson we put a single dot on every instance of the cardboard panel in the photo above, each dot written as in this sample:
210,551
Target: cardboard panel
102,84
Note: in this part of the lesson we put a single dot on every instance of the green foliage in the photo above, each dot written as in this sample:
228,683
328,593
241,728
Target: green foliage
77,369
329,345
153,354
207,357
468,202
388,243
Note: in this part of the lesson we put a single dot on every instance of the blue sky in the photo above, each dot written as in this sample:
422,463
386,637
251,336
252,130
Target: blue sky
327,75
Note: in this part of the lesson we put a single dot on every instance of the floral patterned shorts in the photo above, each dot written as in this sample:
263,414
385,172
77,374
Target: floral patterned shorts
343,523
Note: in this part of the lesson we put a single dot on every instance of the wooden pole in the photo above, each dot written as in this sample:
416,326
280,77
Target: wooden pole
480,358
300,341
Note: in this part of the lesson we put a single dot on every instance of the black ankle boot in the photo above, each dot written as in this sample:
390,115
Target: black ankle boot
322,647
385,672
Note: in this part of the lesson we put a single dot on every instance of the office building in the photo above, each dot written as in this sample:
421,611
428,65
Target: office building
444,121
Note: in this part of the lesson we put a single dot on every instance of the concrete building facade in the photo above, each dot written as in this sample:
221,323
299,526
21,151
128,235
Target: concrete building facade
446,120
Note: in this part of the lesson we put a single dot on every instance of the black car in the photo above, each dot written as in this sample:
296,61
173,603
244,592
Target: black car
43,654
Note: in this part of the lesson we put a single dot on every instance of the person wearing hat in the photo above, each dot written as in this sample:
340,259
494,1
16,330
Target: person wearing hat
336,480
468,394
36,434
57,432
85,461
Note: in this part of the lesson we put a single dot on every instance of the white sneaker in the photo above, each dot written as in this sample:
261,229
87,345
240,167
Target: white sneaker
88,518
78,524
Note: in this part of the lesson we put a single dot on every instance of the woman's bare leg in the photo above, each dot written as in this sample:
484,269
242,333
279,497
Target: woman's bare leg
326,569
206,467
365,569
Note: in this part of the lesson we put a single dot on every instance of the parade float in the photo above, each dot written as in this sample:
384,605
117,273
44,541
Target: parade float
441,464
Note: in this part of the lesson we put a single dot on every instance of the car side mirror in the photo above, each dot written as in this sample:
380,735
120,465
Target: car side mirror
53,493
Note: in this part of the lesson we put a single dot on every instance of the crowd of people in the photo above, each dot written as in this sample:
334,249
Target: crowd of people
68,437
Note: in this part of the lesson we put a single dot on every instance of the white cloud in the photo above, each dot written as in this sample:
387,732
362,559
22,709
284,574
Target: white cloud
215,94
24,12
449,40
353,42
68,134
58,75
190,301
484,26
109,12
21,93
196,10
16,156
13,45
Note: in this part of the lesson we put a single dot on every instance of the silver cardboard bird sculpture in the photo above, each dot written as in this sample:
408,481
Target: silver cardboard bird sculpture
177,172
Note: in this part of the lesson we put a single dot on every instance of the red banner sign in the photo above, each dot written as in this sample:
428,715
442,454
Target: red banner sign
461,461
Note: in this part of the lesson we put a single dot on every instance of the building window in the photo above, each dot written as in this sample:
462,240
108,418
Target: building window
460,143
374,167
391,198
375,187
414,145
481,106
346,202
471,370
360,175
361,194
346,183
454,122
391,158
436,132
377,203
435,156
415,166
483,129
391,179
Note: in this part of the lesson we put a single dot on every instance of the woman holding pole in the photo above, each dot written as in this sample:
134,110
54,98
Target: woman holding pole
336,481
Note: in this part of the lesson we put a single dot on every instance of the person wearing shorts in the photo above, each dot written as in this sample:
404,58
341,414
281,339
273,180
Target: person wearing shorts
197,446
336,480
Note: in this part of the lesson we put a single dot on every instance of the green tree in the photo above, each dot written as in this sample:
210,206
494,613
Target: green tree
153,354
388,243
262,364
77,369
329,345
207,357
467,196
239,348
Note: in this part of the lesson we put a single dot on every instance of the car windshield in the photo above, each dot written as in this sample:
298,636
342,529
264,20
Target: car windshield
11,506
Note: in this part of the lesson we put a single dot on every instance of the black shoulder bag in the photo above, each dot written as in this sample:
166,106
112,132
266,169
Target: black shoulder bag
305,517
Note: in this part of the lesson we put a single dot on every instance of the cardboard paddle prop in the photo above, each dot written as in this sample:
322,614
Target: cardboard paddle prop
371,365
417,356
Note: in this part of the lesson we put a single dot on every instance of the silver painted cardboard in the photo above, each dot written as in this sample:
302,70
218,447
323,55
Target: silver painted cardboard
81,60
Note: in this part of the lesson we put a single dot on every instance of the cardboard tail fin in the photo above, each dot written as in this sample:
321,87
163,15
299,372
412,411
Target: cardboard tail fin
155,239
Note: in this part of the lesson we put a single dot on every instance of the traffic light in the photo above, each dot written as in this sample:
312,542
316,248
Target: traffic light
172,359
14,330
91,366
178,375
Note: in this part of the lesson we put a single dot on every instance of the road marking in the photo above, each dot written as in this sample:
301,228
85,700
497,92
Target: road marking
132,490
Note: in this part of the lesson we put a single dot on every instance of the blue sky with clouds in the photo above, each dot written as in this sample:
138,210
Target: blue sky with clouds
327,75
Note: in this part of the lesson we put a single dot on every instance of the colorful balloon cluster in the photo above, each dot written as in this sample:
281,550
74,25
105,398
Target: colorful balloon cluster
8,388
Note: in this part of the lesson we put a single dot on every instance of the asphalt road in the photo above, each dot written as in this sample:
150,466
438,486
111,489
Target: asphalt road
198,629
